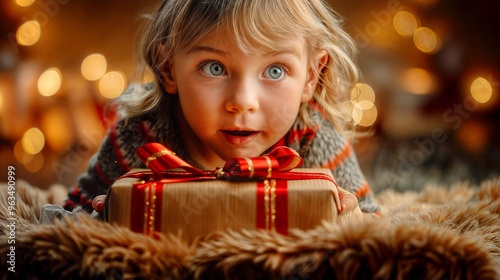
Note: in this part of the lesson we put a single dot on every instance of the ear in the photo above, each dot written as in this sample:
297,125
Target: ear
169,83
320,61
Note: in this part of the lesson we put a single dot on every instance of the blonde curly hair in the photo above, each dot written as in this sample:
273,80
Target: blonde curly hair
175,26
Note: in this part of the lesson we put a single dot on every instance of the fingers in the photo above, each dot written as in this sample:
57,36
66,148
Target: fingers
337,199
348,200
98,203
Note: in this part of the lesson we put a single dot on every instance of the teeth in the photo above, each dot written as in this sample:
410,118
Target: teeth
239,132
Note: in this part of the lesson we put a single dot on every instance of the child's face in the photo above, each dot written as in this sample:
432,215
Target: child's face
238,105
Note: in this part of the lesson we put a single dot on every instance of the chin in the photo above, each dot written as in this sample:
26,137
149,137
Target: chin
241,153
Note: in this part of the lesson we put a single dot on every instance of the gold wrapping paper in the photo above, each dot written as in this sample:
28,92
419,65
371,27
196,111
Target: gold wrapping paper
191,209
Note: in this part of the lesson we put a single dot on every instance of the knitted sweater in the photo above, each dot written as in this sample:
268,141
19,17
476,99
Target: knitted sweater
319,146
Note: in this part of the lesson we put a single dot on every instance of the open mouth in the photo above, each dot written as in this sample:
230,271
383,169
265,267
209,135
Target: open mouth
239,137
239,133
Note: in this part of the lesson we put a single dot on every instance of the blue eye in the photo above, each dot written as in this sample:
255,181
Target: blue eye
274,72
213,69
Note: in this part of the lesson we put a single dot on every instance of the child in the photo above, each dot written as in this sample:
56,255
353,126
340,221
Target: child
235,78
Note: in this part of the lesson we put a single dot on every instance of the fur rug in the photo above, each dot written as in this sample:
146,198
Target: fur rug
448,232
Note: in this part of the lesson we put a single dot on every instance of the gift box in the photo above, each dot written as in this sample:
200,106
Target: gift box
247,193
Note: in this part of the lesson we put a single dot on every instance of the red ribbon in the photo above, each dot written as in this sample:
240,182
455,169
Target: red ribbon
272,201
161,160
149,197
272,213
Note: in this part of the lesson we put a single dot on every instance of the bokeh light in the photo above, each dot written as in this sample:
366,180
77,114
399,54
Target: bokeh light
25,3
361,106
481,90
355,113
417,81
112,84
362,91
49,82
53,122
1,101
363,113
33,141
369,116
405,23
20,154
426,40
28,33
94,66
35,164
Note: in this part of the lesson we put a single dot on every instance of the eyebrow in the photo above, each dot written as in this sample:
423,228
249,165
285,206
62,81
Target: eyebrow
207,49
202,48
293,52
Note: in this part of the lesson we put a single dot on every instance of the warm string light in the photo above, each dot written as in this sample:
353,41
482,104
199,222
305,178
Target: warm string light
481,90
426,40
25,3
33,141
407,24
52,122
35,164
28,150
112,84
19,153
417,81
361,106
28,33
50,82
94,67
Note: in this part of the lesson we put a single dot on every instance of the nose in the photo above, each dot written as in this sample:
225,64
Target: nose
243,97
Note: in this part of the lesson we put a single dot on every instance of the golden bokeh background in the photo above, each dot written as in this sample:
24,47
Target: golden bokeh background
428,98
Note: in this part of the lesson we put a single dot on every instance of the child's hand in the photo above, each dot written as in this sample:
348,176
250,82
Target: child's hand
98,203
348,201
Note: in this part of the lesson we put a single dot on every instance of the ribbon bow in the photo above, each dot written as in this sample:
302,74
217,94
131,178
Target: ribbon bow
161,160
270,170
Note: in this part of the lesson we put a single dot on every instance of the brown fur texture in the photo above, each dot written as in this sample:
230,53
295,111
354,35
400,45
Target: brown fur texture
441,233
